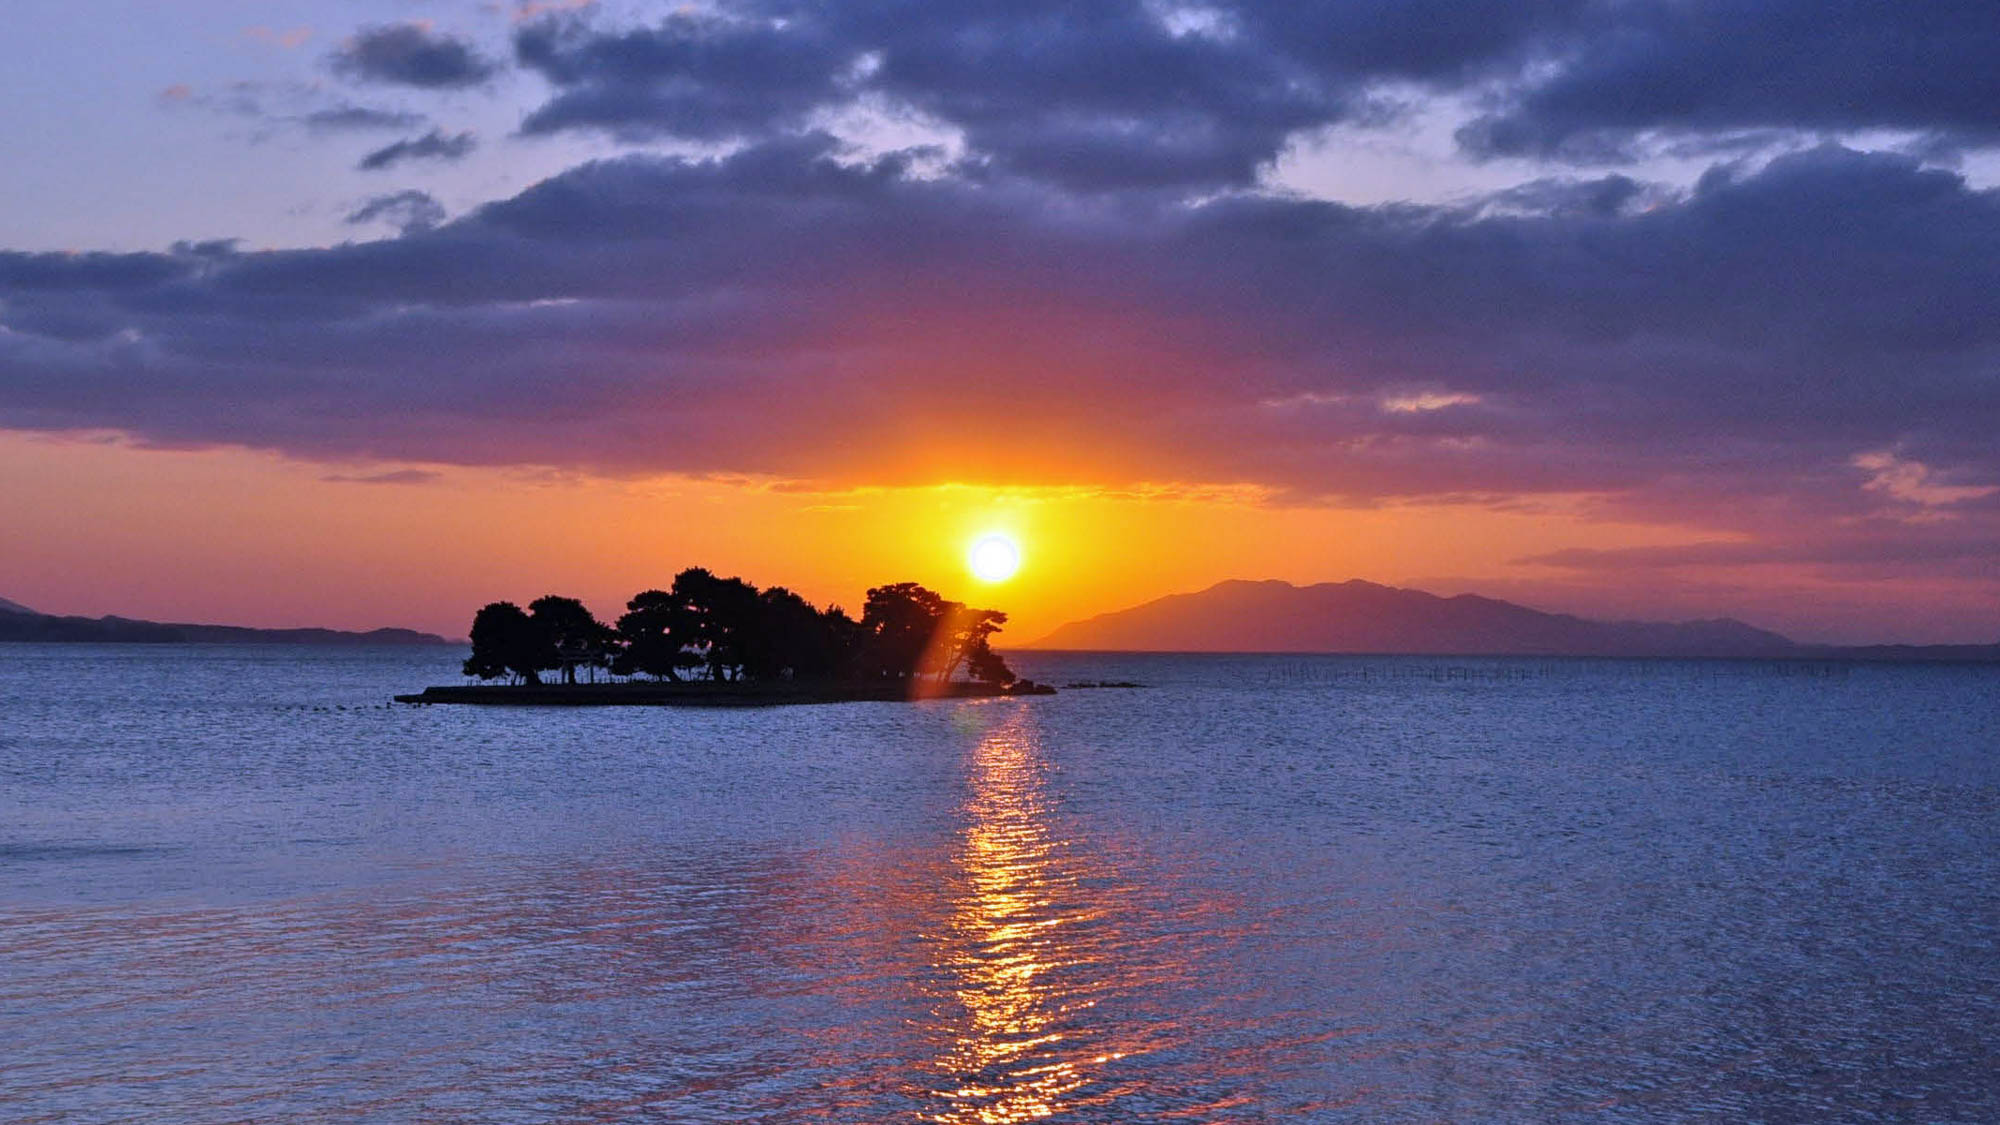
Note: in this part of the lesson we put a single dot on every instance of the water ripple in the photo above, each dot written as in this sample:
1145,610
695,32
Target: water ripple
1395,898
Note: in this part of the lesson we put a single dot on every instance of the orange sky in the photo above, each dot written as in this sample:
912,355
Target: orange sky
254,539
230,536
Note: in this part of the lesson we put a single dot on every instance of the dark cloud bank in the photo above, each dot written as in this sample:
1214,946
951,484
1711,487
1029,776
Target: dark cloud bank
1096,290
778,311
411,54
1149,94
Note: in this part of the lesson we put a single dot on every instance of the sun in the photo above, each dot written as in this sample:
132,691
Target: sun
993,558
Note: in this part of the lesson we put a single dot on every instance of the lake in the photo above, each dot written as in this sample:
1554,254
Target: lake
236,885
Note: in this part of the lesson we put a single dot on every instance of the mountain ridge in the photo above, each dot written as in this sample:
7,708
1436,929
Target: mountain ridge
21,625
1357,616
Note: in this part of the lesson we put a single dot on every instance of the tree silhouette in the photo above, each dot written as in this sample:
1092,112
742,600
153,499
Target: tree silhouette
722,616
575,638
506,640
655,632
969,632
897,624
733,631
910,631
790,638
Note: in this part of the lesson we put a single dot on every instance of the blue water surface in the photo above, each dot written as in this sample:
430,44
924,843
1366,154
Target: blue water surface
238,885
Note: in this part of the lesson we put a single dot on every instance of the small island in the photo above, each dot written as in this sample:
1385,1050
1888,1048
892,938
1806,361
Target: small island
707,641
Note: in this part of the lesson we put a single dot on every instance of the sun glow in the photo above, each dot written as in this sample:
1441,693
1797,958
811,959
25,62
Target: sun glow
994,558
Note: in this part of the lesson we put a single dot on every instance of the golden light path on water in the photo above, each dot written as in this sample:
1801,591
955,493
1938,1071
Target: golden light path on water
1023,951
1005,937
1036,961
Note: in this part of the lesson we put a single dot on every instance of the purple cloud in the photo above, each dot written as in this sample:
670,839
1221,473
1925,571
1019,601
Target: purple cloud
1129,94
781,312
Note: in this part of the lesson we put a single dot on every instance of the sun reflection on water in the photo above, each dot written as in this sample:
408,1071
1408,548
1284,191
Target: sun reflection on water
1020,951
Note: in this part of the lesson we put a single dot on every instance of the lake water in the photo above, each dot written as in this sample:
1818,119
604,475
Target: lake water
235,886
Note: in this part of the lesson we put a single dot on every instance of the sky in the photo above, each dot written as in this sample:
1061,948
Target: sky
367,312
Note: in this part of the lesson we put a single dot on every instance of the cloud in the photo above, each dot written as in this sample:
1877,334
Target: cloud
291,104
1913,482
397,476
434,145
412,54
1137,93
1886,545
1093,96
694,75
1605,197
1422,401
1601,82
787,312
525,11
289,39
347,117
409,211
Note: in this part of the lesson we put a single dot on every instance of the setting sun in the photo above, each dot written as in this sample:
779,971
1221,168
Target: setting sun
994,558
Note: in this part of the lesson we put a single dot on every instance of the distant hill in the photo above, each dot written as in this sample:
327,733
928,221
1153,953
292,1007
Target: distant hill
20,624
1364,617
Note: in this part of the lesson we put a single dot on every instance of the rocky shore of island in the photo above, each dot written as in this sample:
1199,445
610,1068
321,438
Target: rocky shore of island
701,694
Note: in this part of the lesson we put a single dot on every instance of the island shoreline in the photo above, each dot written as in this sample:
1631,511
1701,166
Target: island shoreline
754,694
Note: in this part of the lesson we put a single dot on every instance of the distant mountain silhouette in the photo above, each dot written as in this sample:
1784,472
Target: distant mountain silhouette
20,624
1364,617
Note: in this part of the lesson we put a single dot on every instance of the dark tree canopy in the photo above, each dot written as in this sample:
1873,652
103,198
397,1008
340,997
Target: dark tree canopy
898,623
726,629
654,637
723,619
909,631
506,641
791,637
969,632
575,638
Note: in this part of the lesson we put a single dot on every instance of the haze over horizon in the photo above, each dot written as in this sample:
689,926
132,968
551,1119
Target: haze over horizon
365,314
